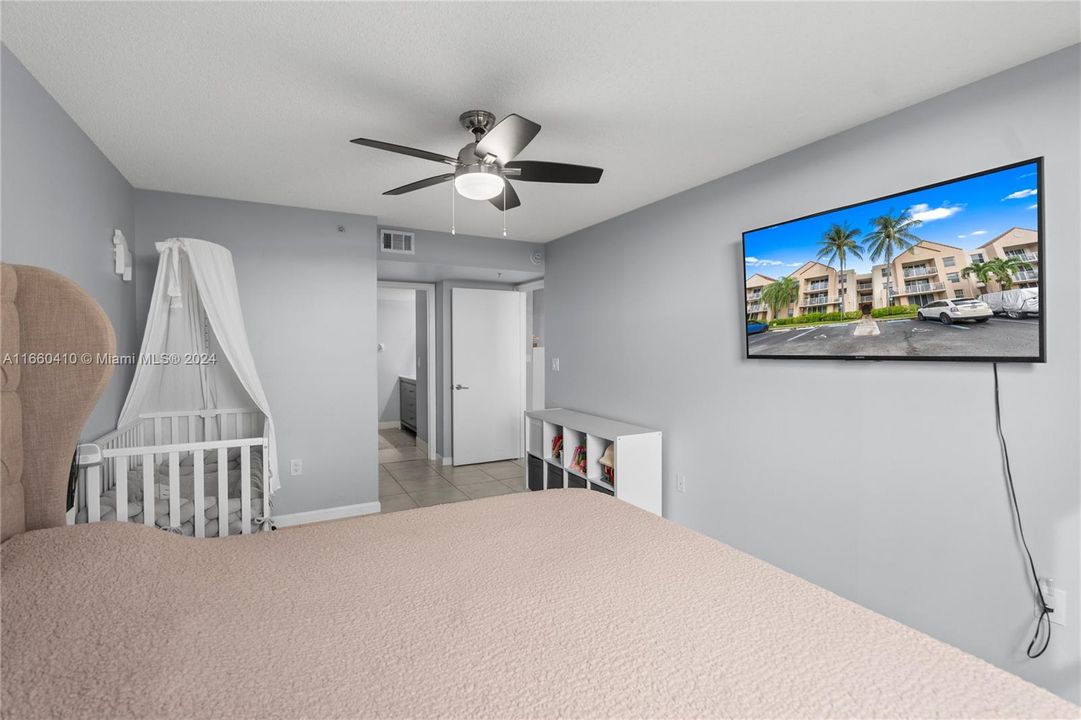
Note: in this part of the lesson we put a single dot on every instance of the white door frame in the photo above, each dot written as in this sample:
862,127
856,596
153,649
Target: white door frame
527,323
429,294
523,347
531,285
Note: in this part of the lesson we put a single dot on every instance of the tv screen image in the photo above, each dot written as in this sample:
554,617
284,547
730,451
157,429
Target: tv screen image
950,271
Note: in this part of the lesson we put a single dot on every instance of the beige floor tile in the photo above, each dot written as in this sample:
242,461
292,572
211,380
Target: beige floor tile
406,465
425,484
395,503
419,473
485,466
426,498
397,437
407,479
465,475
390,455
503,470
398,454
389,487
488,489
517,484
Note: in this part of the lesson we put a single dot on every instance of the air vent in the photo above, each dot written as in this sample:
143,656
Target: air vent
396,241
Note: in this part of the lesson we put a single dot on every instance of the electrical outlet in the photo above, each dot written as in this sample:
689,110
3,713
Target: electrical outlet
1055,597
296,467
681,483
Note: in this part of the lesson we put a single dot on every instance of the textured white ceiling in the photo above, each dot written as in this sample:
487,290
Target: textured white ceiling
258,101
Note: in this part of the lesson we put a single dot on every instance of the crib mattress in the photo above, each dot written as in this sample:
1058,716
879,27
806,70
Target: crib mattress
564,603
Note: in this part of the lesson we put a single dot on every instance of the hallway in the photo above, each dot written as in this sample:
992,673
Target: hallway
408,480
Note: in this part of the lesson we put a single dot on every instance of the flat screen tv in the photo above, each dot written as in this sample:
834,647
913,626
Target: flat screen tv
950,271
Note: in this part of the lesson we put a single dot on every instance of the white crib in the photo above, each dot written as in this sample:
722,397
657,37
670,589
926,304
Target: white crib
157,444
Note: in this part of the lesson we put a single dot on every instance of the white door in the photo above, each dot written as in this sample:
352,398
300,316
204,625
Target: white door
487,374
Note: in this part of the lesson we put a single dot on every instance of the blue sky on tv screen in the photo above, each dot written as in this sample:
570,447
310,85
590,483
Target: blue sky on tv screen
964,214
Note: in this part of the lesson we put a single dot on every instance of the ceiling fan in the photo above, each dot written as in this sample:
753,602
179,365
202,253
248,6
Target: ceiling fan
484,167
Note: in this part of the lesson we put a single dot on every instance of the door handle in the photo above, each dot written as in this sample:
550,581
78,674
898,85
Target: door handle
461,387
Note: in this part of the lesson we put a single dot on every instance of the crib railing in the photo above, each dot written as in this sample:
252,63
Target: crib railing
199,426
120,459
154,437
163,428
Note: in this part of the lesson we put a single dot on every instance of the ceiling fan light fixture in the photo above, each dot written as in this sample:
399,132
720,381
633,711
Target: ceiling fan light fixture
478,182
482,167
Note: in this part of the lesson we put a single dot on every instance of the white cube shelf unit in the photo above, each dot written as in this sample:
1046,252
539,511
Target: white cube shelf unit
636,456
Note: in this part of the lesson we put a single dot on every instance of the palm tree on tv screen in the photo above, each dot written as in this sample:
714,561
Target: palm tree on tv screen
837,244
891,236
982,271
1004,268
780,294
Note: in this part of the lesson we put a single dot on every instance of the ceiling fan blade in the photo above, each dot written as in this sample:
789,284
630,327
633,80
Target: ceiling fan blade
536,171
420,184
508,138
403,150
512,198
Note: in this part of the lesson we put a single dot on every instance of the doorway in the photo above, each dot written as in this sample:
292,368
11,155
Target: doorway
411,473
405,322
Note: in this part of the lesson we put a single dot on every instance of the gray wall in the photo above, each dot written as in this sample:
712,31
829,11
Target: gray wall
421,330
396,320
61,201
308,295
825,468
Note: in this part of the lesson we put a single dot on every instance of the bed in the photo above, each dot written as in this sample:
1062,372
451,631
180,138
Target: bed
561,603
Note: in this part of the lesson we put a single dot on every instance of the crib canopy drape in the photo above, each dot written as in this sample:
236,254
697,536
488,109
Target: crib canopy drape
195,353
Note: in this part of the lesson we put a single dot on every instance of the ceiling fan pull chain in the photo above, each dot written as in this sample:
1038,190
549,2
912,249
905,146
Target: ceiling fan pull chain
452,217
504,208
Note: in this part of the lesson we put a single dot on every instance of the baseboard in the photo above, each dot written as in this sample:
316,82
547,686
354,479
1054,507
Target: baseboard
422,446
445,460
392,425
331,513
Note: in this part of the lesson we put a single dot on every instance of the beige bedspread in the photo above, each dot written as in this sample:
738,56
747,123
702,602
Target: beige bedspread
554,604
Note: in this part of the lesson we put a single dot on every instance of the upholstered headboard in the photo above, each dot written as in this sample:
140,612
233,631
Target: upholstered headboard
49,386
